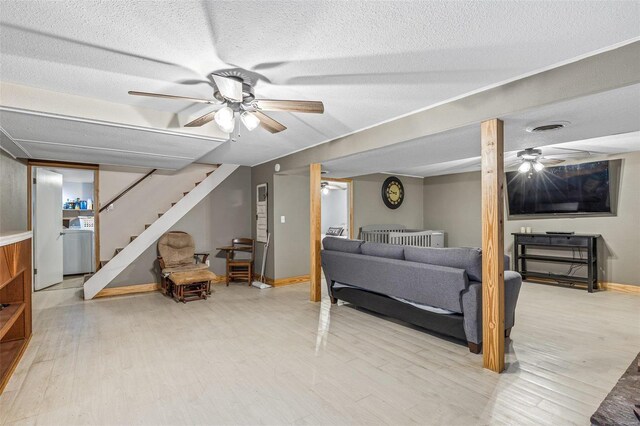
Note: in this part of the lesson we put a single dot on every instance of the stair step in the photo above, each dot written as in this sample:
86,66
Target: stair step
173,204
160,214
133,237
103,262
198,183
118,250
209,173
184,193
147,225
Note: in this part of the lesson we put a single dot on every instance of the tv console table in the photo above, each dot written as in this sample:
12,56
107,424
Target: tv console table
584,243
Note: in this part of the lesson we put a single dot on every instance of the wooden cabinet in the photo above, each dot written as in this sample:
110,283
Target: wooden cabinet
15,297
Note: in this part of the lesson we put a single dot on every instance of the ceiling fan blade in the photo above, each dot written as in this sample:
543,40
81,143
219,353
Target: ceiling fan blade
269,123
315,107
578,151
230,88
573,154
181,98
511,164
551,161
202,120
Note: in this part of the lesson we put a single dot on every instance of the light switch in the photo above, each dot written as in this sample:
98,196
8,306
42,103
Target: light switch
281,219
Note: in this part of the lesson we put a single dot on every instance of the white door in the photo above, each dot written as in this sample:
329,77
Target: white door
47,229
261,213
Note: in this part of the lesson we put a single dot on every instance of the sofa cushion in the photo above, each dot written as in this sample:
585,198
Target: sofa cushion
469,259
176,249
383,250
342,244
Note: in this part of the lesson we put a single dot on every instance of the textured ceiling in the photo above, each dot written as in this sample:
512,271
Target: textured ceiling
591,118
367,61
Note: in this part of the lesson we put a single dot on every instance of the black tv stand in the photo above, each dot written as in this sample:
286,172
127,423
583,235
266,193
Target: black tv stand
586,243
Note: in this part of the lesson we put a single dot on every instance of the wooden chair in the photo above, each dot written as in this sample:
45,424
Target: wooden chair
240,260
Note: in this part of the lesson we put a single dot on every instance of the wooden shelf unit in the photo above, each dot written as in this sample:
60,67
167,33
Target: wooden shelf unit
15,319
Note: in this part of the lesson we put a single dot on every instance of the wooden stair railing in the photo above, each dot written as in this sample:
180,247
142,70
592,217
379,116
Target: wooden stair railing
129,188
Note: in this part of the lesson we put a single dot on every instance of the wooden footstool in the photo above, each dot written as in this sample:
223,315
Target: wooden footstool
191,285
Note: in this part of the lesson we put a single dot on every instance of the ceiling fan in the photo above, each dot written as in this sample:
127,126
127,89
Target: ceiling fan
531,159
234,99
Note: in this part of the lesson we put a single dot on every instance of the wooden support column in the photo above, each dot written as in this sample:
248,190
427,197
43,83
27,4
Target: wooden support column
314,230
492,152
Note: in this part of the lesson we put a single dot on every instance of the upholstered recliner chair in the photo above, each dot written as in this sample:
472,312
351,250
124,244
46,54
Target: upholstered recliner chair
177,253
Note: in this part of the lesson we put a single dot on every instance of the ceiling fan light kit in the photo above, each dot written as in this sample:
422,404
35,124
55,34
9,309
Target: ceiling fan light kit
250,121
234,96
530,160
225,119
525,167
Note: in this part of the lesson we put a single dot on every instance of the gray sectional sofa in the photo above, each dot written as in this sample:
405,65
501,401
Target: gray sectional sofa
439,289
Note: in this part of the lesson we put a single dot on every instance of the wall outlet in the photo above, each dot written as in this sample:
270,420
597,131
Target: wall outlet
208,263
282,219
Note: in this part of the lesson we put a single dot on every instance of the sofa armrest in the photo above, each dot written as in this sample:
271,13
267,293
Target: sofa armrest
472,305
512,284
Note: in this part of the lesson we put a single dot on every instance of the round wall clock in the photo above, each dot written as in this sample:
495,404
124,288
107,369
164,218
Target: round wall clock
392,192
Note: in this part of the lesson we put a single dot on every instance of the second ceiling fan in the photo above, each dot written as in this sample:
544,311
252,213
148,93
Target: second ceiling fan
233,98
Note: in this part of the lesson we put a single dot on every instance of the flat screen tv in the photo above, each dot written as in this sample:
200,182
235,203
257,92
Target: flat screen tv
577,189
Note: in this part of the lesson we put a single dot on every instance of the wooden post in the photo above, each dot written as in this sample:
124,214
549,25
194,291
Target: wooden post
492,152
314,230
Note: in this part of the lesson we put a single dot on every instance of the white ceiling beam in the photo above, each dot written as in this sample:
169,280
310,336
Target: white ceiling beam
599,73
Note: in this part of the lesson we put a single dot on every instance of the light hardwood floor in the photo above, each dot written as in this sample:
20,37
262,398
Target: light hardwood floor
249,356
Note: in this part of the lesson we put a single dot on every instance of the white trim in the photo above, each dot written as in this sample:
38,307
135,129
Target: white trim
101,148
8,153
108,123
7,238
150,235
467,94
14,142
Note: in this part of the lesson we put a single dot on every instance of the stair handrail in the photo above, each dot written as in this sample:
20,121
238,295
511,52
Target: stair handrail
129,188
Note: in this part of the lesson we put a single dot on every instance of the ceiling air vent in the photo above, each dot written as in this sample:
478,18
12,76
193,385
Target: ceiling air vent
547,127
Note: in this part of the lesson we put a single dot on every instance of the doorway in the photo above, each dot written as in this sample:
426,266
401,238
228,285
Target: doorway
336,208
63,202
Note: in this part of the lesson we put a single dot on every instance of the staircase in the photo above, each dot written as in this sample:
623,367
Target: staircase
139,243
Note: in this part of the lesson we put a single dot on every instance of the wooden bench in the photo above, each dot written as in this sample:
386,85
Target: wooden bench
191,285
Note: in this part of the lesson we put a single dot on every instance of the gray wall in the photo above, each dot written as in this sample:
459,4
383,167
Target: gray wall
221,216
452,203
369,209
263,174
13,194
291,199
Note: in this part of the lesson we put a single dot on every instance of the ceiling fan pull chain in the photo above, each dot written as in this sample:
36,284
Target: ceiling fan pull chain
237,126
